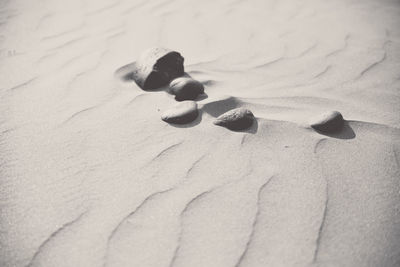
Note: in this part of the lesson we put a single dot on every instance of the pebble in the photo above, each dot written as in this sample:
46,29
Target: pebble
182,113
156,67
236,119
329,122
185,88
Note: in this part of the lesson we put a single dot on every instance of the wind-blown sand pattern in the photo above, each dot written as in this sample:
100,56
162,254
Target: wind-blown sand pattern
91,176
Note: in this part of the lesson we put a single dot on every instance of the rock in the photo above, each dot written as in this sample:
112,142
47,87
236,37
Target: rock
185,88
181,113
236,119
156,67
331,121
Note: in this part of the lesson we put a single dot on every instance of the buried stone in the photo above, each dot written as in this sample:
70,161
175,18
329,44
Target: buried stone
185,88
181,113
156,67
236,119
329,122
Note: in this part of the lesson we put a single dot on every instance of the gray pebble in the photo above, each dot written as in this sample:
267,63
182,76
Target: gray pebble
185,88
156,67
331,121
236,119
182,113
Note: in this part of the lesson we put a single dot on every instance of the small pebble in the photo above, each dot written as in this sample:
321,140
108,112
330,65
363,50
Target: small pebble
185,88
236,119
328,122
181,113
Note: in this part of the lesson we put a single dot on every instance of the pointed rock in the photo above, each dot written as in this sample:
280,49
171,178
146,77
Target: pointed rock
156,67
328,122
185,88
181,113
236,119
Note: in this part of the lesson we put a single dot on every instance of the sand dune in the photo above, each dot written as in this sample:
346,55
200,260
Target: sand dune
91,175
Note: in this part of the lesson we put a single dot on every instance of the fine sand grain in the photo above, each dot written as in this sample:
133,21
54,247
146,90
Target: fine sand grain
91,176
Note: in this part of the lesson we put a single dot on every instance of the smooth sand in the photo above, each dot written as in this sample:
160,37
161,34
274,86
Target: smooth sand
91,175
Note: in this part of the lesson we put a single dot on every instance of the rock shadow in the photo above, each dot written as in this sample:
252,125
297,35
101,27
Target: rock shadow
346,132
219,107
251,130
201,97
190,124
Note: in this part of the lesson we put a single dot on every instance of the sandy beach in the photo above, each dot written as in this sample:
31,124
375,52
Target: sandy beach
91,175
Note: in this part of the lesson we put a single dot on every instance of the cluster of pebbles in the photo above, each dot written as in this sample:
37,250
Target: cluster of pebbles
161,67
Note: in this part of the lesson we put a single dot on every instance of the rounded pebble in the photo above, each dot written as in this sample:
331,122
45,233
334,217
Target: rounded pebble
156,67
331,121
236,119
185,88
181,113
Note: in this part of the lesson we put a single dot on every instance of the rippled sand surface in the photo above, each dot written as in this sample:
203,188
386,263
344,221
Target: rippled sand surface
91,176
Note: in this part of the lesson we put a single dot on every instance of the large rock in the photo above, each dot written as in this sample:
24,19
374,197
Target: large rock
156,67
185,88
328,122
236,119
181,113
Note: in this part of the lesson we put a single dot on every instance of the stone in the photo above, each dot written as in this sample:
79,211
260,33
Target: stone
236,119
185,88
182,113
328,122
156,67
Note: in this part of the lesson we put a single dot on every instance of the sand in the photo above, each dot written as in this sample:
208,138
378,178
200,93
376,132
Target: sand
91,175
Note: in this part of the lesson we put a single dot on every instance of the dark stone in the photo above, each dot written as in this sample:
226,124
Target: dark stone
156,67
185,88
329,122
236,119
181,113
